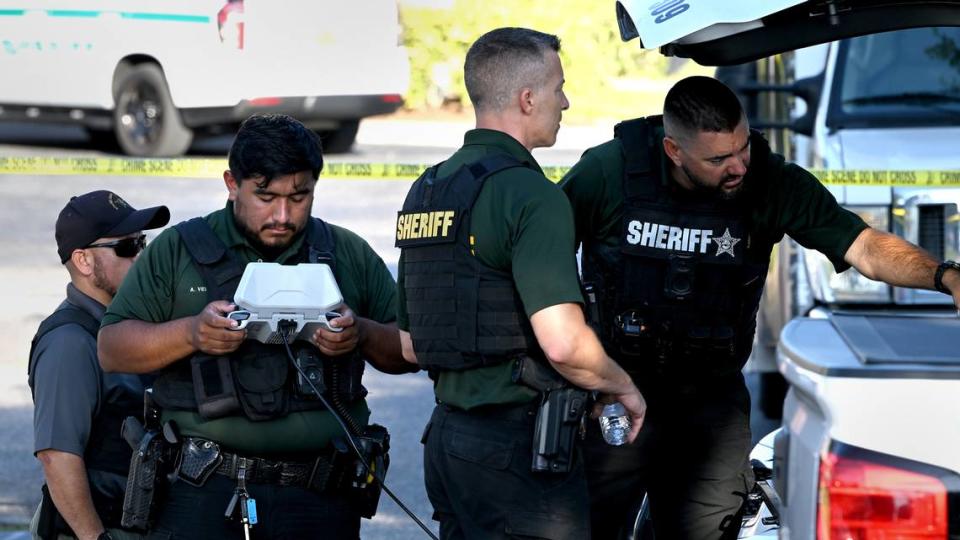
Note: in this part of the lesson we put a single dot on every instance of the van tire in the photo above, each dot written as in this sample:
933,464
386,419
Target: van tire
145,121
340,140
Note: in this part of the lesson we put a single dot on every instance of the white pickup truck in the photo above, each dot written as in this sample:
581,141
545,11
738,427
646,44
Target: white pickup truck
150,74
886,101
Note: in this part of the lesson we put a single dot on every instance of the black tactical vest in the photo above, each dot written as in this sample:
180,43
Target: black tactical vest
679,292
256,380
106,450
463,314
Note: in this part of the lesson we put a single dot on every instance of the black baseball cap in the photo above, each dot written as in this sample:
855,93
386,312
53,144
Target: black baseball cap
100,214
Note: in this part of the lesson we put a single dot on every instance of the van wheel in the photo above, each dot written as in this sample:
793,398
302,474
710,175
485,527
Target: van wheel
145,121
340,140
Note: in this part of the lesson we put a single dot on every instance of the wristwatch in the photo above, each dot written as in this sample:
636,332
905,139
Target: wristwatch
105,535
938,277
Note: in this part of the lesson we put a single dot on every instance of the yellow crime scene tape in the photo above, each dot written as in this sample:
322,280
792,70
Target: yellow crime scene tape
213,168
889,178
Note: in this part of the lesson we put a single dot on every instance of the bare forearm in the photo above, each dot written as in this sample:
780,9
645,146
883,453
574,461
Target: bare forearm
589,367
140,347
885,257
66,477
380,345
574,350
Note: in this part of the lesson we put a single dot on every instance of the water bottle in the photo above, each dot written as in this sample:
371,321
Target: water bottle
615,424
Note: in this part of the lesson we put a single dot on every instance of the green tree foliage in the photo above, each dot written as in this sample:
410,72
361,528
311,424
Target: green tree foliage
594,57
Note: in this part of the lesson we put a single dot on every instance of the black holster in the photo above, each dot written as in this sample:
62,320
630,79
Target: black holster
558,422
559,416
148,465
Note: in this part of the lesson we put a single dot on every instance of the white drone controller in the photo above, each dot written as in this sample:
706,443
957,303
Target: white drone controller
271,295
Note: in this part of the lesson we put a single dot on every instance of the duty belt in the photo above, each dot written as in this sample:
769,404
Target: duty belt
315,475
522,412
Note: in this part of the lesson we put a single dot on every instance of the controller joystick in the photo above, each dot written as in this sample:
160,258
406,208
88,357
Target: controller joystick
241,316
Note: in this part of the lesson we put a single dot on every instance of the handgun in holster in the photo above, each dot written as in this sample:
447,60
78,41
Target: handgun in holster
152,453
558,421
558,418
138,499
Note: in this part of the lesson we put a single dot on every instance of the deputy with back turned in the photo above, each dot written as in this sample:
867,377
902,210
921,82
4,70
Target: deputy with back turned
78,409
254,443
491,306
677,216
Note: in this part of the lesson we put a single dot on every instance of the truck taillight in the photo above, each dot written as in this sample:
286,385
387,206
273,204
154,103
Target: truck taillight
864,499
230,24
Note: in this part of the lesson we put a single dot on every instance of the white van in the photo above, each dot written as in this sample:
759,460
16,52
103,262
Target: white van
150,74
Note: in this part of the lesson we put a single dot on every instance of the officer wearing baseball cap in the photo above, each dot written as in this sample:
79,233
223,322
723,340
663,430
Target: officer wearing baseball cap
78,409
103,214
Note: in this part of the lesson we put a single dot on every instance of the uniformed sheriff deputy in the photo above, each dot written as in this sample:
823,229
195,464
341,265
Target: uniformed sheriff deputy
240,398
489,291
677,217
78,409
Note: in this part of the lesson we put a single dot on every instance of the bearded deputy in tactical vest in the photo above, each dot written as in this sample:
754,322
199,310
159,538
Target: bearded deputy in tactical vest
78,409
169,316
677,217
491,306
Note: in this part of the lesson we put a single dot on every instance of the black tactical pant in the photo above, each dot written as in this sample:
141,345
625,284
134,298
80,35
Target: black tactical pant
692,456
284,513
478,478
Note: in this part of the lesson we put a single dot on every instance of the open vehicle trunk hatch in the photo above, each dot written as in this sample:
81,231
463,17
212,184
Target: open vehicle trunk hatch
732,33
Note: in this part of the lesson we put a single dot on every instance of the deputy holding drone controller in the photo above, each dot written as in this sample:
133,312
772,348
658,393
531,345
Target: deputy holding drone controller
251,444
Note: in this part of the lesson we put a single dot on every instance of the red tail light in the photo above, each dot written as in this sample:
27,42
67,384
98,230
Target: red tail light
861,499
230,23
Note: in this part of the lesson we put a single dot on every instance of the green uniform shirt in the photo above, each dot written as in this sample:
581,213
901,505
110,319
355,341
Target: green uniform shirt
164,285
523,225
787,199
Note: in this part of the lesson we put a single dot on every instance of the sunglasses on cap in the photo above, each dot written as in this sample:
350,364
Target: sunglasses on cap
125,247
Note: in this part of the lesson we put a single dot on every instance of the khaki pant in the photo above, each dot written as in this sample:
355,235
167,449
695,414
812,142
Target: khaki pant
117,534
